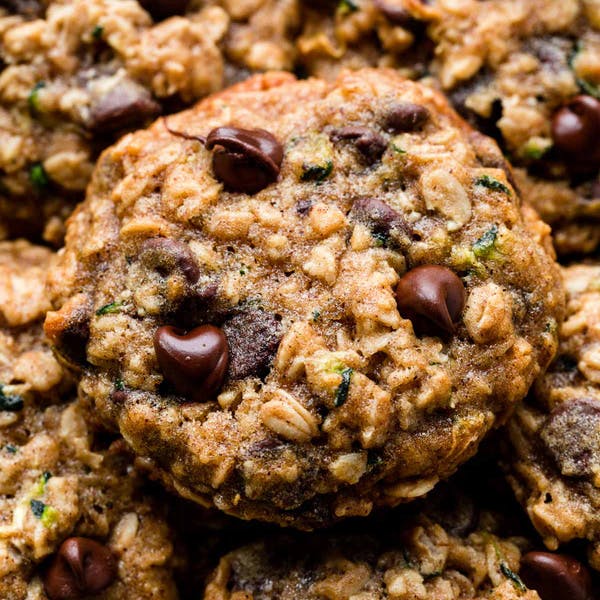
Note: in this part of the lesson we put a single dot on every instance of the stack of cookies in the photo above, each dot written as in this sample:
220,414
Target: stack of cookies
301,300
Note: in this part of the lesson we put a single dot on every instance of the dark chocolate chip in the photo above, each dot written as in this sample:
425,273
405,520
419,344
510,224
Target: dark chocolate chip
162,9
571,434
195,363
367,141
556,576
595,189
80,568
253,338
432,297
245,160
405,117
382,220
168,255
576,130
124,106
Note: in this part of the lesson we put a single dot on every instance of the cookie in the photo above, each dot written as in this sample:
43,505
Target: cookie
527,73
554,453
74,516
78,73
467,539
424,562
456,544
303,299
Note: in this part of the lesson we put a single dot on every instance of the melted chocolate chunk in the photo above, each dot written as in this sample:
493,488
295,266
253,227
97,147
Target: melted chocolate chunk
30,9
556,576
163,9
383,221
576,130
405,117
253,338
168,255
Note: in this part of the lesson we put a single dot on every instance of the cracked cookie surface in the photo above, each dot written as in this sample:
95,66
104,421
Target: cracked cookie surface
240,286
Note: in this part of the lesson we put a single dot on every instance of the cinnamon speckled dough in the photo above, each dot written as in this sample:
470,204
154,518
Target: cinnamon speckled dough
75,74
555,437
47,455
331,403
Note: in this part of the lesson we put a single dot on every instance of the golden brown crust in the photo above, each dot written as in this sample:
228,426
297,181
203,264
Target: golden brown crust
294,268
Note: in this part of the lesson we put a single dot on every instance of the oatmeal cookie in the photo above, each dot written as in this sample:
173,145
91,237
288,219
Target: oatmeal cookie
76,73
74,518
527,72
421,561
554,452
301,299
467,539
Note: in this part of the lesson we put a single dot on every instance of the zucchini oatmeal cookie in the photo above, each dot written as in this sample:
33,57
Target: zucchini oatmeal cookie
554,453
527,72
302,299
76,73
422,560
455,545
73,517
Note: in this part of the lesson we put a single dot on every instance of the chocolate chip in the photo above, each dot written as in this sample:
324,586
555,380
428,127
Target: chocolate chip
81,567
168,255
575,131
162,9
571,434
382,220
245,160
125,105
556,576
195,363
367,141
432,297
253,338
404,117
